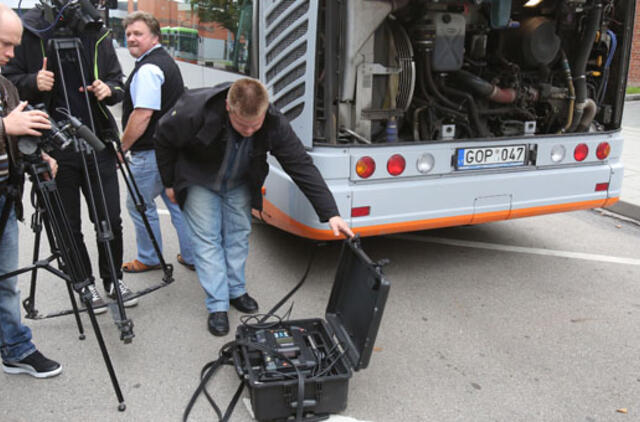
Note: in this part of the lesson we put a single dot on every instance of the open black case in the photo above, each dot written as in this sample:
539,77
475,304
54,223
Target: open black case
322,352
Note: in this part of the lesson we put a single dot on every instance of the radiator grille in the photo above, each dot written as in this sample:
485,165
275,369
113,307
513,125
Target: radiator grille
290,96
296,73
285,62
294,16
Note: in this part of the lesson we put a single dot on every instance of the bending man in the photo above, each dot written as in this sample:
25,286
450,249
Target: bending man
212,155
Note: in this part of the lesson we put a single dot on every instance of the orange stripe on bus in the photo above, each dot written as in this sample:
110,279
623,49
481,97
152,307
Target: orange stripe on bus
276,217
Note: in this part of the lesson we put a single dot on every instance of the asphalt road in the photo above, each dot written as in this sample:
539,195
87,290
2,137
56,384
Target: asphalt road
525,320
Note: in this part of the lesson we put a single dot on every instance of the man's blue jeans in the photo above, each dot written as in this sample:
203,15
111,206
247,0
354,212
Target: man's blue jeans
15,338
220,224
144,169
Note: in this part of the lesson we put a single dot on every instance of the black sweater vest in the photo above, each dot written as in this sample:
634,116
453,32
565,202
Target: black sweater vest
172,89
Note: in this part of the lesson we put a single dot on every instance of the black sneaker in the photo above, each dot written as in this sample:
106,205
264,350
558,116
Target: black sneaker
125,292
35,365
97,303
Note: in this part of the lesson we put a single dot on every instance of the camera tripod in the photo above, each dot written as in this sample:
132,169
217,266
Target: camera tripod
69,49
50,213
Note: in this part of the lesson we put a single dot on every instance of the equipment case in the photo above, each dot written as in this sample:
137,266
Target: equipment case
332,347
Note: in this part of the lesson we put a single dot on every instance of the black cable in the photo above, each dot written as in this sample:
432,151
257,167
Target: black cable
210,368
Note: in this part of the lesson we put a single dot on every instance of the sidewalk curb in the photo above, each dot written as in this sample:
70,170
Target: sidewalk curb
632,97
626,209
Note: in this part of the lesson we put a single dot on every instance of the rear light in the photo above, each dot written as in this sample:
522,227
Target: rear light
396,165
581,152
365,167
360,211
425,163
557,153
602,187
603,150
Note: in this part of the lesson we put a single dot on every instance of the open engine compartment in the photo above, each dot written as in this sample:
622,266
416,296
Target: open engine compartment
419,70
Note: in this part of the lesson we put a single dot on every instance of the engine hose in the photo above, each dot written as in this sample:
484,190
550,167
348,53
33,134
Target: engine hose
485,89
432,86
566,69
474,117
590,110
580,64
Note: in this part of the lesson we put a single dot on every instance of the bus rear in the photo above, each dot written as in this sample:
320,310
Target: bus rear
423,114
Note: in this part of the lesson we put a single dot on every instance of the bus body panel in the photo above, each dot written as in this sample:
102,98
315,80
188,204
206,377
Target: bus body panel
424,202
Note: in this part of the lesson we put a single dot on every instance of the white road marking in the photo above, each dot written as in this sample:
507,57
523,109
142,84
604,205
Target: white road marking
518,249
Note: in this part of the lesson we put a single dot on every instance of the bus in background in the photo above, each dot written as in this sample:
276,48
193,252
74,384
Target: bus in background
181,43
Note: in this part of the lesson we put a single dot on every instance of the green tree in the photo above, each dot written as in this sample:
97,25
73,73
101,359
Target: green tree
224,12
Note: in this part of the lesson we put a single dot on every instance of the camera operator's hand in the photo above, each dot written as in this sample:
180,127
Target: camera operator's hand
53,164
20,122
45,78
99,89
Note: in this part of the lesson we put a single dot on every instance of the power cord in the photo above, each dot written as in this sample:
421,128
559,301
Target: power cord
225,355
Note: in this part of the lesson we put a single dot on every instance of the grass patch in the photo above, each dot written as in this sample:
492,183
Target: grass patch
633,90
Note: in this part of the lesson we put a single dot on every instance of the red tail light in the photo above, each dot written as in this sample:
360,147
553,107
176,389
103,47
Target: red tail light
365,167
603,150
360,211
581,152
396,165
602,187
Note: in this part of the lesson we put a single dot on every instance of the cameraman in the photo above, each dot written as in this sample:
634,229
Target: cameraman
19,355
38,80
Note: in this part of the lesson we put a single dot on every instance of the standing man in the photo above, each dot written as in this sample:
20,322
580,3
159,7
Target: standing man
212,155
38,81
153,87
19,354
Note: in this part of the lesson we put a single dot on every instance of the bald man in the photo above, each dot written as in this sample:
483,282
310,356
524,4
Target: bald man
19,354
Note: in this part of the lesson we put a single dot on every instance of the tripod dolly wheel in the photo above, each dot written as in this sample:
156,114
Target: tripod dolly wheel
122,407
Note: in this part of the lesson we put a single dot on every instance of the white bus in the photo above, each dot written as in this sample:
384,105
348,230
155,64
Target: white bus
423,114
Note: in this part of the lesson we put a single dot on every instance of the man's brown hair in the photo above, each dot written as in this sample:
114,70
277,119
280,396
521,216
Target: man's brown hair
148,18
247,98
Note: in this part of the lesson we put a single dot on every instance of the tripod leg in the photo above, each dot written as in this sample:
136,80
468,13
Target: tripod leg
74,305
29,303
140,206
86,298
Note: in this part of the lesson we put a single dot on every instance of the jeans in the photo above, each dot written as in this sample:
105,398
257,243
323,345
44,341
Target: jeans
15,338
220,223
70,180
144,169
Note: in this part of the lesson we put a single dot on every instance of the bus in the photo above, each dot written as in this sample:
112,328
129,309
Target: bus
181,43
429,114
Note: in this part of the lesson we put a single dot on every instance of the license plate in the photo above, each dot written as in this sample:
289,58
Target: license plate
491,157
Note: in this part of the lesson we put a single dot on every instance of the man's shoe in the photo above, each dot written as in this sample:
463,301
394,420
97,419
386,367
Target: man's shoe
245,303
218,323
125,292
97,303
35,365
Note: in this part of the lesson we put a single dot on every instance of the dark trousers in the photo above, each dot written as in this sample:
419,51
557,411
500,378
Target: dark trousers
71,181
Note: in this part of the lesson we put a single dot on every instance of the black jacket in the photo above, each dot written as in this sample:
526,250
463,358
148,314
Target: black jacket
191,140
24,67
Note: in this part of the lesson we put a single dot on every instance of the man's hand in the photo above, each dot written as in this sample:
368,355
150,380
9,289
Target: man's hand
45,78
20,122
171,195
53,164
99,89
338,225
